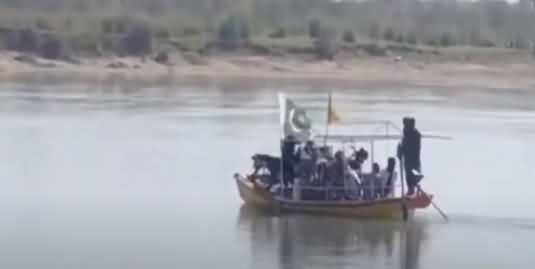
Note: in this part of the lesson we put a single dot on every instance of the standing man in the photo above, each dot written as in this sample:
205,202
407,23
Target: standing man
409,153
288,159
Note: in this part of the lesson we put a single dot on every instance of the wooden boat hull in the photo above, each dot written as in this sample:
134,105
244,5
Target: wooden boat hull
385,208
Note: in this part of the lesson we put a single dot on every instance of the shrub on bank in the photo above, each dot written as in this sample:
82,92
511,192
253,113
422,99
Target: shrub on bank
521,43
162,33
43,24
106,26
25,40
53,48
485,43
87,44
411,38
191,31
325,44
400,38
389,34
279,33
349,36
446,40
373,49
314,28
373,31
117,24
137,41
233,31
432,42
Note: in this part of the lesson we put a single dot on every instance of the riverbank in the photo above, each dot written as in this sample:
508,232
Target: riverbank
497,69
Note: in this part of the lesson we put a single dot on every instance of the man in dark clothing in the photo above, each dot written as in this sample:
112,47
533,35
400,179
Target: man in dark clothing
288,159
409,153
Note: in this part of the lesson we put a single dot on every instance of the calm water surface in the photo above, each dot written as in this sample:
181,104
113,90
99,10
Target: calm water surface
141,178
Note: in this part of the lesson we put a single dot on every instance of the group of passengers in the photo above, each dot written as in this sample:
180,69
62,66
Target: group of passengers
315,169
318,174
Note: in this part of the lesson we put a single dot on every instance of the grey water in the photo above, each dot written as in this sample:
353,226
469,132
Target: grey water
141,177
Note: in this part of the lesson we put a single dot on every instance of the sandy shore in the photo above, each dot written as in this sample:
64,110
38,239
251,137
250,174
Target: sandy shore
520,74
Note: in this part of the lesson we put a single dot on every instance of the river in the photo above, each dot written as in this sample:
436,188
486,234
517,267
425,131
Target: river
141,177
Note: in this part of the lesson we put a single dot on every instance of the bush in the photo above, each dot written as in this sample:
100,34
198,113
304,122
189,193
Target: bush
43,24
162,33
137,42
120,25
389,34
162,57
245,31
86,43
432,42
67,24
280,33
373,32
373,49
106,26
52,48
107,44
411,38
446,40
485,43
325,44
476,38
232,32
26,40
314,28
520,43
191,31
115,25
349,36
400,38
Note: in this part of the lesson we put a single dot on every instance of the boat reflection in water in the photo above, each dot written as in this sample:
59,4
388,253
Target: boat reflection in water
308,241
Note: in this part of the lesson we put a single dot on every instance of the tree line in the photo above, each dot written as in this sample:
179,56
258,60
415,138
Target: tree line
484,23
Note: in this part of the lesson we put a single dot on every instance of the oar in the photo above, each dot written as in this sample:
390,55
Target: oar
404,210
434,205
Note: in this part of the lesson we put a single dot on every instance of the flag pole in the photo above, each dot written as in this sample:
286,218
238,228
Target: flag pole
328,119
282,114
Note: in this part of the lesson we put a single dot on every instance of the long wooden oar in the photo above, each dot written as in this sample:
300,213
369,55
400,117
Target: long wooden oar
404,210
433,203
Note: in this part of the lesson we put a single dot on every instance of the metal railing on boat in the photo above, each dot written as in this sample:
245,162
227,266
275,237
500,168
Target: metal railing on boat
330,193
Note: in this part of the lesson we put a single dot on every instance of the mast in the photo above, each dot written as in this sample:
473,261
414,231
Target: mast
282,114
329,108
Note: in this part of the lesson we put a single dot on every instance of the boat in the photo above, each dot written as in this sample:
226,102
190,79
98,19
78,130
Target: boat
257,194
392,208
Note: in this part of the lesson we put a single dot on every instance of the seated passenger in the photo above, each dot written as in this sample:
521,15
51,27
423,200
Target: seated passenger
322,163
335,176
352,185
370,182
357,160
388,178
377,184
266,168
307,159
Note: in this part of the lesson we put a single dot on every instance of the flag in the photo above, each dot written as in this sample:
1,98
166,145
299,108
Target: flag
332,116
294,120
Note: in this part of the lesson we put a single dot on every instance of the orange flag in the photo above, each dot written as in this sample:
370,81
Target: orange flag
332,116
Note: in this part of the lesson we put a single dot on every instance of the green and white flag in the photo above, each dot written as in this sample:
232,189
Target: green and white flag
294,120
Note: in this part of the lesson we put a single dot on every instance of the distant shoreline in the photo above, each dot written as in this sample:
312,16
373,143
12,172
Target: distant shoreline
518,71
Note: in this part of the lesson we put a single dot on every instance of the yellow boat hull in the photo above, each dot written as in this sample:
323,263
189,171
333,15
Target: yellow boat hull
385,208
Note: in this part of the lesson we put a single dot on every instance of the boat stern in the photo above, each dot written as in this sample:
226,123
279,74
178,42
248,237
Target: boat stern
420,200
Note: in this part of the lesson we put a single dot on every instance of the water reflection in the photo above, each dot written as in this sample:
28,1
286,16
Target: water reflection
304,241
